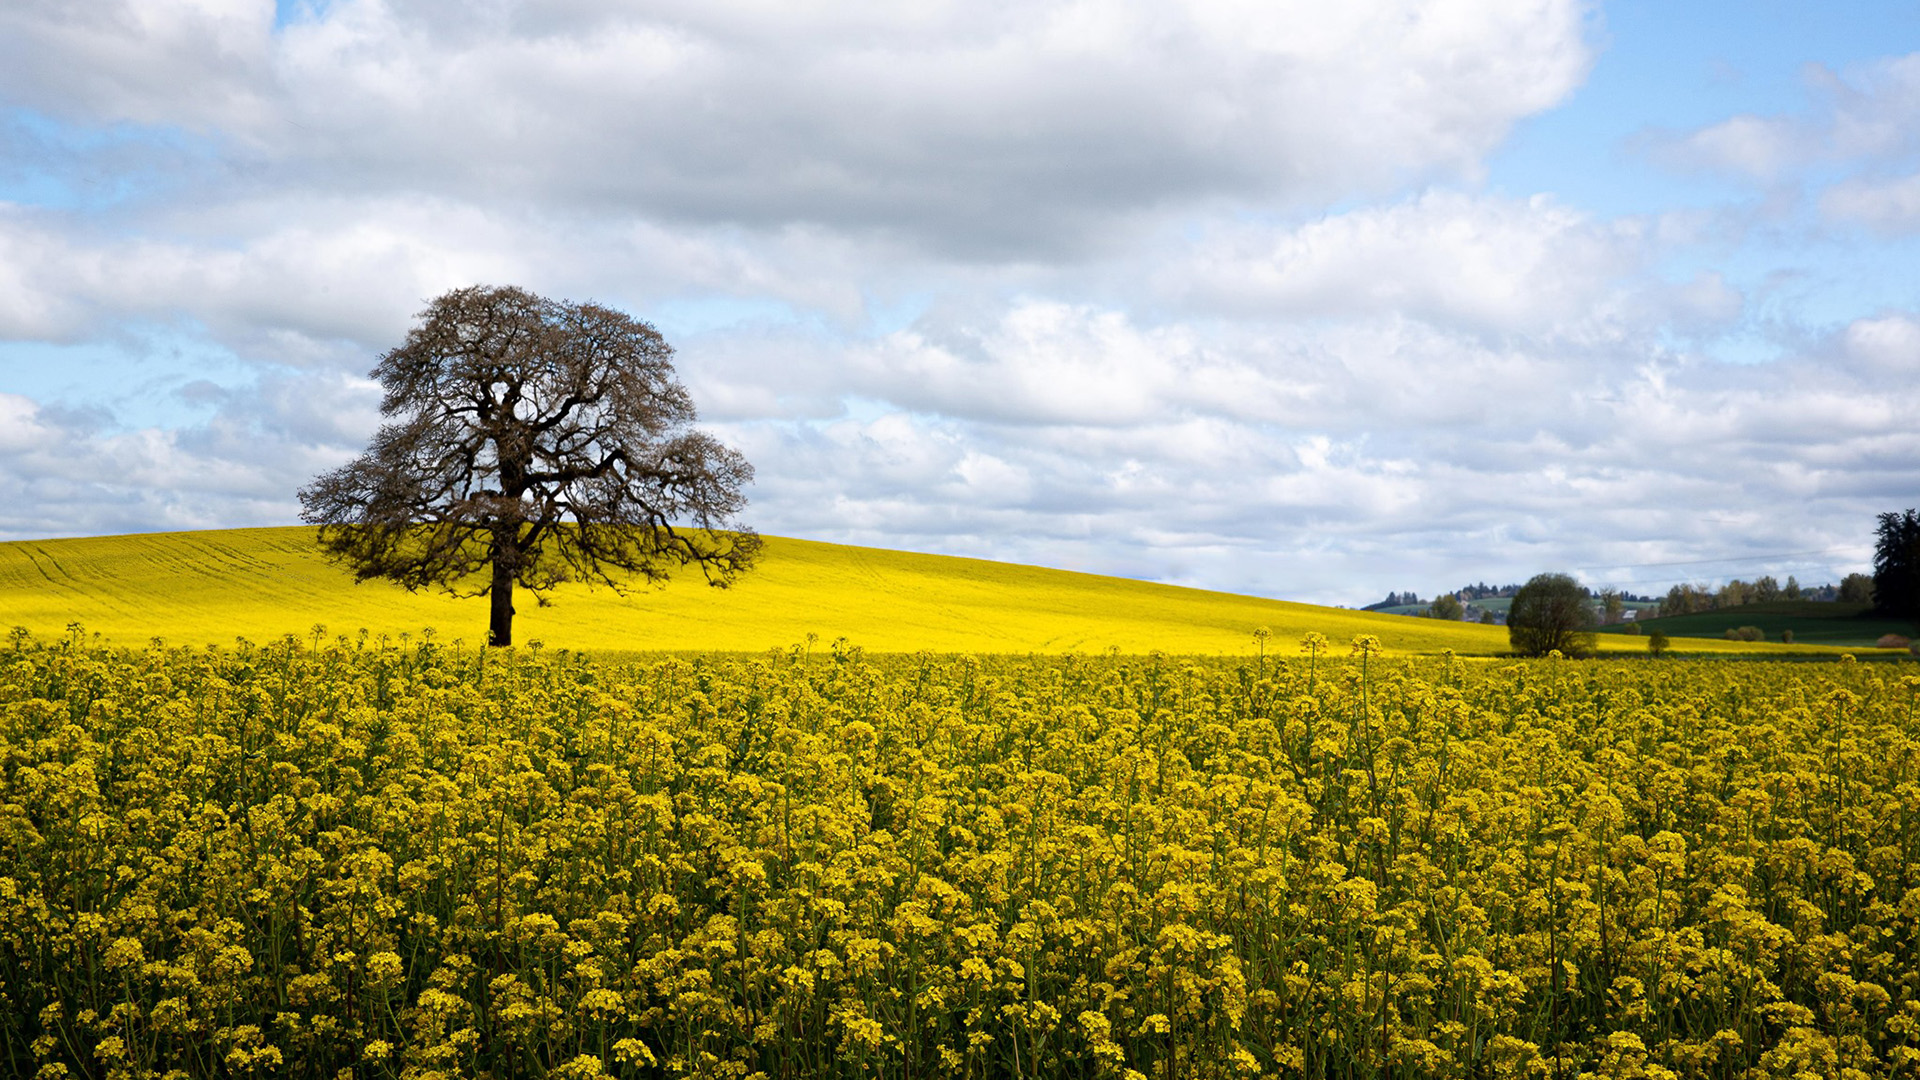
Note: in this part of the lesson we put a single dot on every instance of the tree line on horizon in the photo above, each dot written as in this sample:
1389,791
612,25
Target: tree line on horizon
1685,598
1553,613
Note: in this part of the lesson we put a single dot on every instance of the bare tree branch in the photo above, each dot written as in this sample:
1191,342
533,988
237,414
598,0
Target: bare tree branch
532,442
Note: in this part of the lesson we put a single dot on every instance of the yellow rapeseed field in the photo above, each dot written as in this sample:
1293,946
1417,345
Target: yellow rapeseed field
345,857
202,588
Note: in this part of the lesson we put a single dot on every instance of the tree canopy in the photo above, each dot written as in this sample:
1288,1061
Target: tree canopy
1896,565
1856,589
530,442
1550,612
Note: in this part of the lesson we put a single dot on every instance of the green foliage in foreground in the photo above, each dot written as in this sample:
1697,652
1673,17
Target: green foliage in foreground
431,862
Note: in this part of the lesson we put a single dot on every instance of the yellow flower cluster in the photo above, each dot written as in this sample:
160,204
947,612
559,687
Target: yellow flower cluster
404,860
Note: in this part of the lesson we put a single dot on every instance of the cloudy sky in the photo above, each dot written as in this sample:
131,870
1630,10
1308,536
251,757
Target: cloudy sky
1300,299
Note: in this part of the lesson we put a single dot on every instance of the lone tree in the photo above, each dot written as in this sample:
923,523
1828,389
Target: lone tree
530,442
1550,612
1896,565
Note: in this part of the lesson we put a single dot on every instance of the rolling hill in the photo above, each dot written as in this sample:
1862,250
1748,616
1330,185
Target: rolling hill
210,587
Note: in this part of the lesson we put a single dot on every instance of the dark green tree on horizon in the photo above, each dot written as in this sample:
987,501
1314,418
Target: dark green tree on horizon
1551,613
1896,565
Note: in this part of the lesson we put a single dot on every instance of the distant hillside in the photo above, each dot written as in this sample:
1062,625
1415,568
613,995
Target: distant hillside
1812,622
209,587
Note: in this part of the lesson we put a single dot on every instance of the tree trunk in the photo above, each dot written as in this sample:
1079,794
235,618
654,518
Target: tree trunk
500,631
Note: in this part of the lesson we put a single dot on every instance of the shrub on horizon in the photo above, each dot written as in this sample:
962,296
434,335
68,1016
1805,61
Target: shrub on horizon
1549,613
